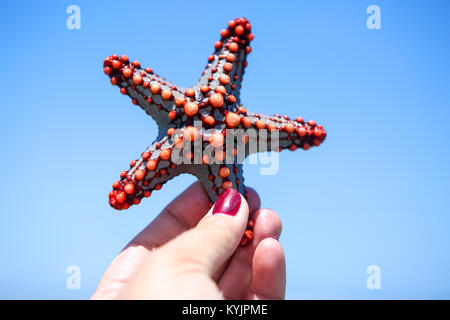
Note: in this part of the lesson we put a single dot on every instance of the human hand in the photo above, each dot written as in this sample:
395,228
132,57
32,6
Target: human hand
185,254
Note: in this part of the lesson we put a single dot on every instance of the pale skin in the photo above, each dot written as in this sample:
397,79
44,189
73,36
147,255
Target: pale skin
187,253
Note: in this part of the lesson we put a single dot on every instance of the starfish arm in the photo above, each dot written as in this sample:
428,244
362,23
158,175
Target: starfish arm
154,94
221,177
146,174
226,65
215,178
277,133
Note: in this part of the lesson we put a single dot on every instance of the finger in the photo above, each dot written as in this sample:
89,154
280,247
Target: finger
212,242
254,203
181,214
235,282
269,271
163,229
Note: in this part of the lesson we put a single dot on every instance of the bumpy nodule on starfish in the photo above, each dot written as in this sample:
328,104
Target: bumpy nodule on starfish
214,103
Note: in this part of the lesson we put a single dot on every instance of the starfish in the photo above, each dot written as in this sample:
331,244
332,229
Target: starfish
200,119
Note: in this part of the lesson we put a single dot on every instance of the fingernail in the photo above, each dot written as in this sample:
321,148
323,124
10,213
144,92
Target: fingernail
229,202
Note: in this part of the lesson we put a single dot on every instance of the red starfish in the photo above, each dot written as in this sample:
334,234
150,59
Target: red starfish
214,103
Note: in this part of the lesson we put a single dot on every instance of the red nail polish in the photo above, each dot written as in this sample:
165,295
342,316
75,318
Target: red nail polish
229,202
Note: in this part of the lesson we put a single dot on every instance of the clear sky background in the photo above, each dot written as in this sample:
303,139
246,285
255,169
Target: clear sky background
375,193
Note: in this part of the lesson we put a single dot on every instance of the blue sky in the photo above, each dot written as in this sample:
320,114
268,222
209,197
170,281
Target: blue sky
375,193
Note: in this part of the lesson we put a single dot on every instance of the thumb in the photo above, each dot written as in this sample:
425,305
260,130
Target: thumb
216,237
